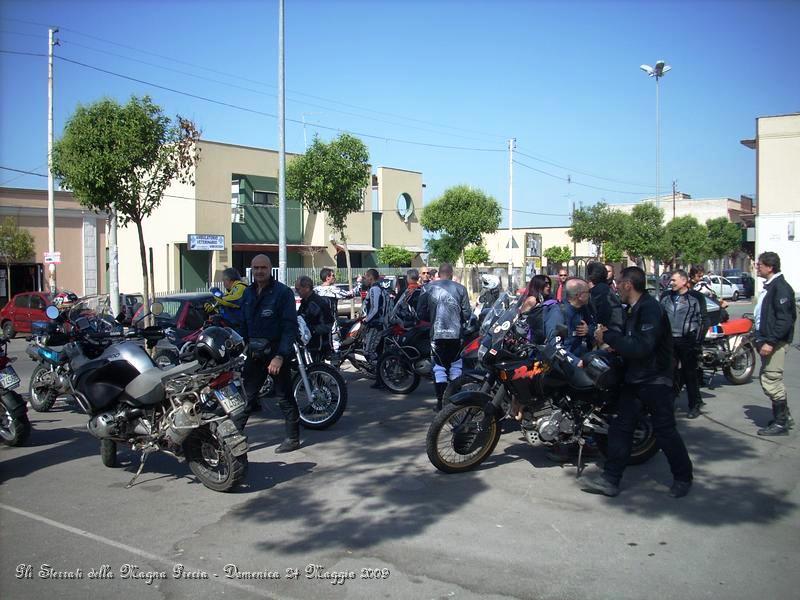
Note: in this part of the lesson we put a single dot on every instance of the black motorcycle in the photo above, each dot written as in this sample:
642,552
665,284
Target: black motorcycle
555,401
15,428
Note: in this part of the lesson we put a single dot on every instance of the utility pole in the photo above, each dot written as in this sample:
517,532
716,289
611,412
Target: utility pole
511,145
281,150
674,182
113,263
51,205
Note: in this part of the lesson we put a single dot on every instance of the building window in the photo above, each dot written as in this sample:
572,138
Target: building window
237,210
265,199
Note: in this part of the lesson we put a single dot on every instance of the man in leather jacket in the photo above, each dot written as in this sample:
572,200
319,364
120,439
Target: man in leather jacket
316,311
775,315
646,346
269,315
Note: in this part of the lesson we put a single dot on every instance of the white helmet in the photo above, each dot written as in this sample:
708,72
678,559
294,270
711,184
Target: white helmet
489,282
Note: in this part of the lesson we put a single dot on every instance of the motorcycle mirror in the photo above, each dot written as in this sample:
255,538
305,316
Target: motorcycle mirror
51,312
156,308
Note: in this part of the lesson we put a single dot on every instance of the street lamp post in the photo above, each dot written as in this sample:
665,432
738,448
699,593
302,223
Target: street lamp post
658,72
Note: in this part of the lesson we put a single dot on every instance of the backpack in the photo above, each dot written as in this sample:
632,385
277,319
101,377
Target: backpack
538,317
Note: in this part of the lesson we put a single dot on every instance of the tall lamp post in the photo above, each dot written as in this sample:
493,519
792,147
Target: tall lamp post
658,72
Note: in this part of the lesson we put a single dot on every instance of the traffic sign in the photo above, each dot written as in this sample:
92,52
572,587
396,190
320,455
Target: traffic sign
52,258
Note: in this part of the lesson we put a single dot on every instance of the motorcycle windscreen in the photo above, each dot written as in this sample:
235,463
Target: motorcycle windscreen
103,386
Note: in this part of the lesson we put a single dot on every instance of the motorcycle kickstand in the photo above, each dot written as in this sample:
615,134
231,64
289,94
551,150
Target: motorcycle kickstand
145,453
581,443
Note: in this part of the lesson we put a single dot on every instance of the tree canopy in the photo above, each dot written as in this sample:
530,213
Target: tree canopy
558,255
395,256
597,223
724,237
476,255
15,244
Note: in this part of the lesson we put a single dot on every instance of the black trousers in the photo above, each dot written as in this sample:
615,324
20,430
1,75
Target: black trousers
656,399
686,352
254,374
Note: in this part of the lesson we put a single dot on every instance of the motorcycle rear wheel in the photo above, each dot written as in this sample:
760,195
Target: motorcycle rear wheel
397,374
743,364
456,442
15,428
644,443
211,462
463,383
329,396
42,398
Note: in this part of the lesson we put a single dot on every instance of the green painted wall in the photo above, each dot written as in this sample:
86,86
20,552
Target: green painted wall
261,222
376,230
194,268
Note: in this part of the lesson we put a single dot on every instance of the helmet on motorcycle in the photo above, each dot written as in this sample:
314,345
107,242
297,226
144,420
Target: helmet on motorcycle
489,282
602,368
217,345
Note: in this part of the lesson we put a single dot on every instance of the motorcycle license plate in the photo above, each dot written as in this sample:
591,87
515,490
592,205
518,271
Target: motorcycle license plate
230,398
9,378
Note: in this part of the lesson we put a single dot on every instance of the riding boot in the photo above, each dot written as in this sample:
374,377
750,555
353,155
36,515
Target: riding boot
779,426
292,441
440,390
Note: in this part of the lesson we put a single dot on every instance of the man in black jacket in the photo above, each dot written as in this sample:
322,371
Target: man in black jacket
604,303
316,312
686,309
646,346
775,315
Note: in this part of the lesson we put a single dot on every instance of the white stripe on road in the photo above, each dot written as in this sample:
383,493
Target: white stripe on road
131,549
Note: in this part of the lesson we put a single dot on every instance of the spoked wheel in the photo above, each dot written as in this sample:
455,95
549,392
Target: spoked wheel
461,437
15,428
743,363
212,462
42,394
644,442
328,396
397,374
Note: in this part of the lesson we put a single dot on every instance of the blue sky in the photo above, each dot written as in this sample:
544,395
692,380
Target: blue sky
561,77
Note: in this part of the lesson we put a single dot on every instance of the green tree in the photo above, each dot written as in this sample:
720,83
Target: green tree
15,244
443,249
395,256
644,232
463,214
558,255
685,242
598,224
724,237
331,178
612,251
122,158
477,255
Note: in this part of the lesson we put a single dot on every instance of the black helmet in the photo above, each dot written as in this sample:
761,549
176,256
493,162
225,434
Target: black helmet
603,368
218,345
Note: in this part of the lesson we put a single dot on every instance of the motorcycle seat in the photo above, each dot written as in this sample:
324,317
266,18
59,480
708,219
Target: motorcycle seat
148,388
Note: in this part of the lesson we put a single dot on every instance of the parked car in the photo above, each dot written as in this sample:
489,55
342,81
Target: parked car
184,312
723,287
22,310
745,283
128,305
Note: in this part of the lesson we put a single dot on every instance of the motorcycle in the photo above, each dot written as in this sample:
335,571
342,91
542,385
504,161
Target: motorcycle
351,336
184,412
556,402
730,347
319,389
15,428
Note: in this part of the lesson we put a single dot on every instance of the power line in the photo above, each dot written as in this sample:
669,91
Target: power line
7,181
23,171
572,181
23,53
582,172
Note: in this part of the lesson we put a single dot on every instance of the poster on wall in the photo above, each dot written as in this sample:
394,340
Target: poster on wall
533,245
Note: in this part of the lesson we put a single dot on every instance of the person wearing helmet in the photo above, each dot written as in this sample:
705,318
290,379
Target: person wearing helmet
229,305
269,317
490,290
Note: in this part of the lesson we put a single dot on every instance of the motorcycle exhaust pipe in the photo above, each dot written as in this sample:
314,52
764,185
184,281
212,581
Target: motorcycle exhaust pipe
184,421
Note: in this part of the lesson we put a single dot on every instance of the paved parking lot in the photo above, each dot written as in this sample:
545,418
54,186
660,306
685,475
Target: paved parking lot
359,512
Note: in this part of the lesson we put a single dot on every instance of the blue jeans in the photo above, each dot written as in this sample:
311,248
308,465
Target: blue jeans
658,401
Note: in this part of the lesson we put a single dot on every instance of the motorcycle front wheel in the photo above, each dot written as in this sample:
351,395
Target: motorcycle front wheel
644,443
328,396
463,383
398,374
15,428
742,365
461,437
42,396
211,462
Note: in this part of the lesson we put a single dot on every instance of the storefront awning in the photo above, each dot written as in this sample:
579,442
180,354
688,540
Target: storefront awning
273,247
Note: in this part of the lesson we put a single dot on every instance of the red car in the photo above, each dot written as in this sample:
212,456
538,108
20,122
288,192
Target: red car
22,310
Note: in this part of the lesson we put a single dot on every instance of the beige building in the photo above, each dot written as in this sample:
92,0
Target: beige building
777,226
80,238
231,214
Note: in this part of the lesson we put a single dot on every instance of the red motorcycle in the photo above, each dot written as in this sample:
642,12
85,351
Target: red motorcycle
729,347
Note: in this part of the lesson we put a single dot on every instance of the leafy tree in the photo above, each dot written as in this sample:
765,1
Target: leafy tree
15,244
443,249
612,251
644,232
477,255
331,178
685,242
724,237
598,224
395,256
558,255
463,214
122,158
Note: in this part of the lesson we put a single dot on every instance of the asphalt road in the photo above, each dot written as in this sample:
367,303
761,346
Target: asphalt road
362,500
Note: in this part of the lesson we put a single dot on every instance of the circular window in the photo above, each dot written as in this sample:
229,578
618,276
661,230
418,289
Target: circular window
405,206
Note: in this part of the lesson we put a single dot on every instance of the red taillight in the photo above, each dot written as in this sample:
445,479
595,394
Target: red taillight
473,346
222,380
